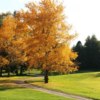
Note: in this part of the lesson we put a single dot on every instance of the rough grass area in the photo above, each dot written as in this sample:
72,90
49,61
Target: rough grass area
84,84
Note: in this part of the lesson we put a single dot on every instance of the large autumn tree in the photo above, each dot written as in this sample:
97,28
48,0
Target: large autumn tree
47,37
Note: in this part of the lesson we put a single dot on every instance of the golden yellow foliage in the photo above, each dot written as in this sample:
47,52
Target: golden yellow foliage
3,61
7,30
47,36
39,36
10,41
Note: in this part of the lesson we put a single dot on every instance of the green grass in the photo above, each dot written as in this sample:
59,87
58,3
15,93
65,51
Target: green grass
84,84
26,94
9,90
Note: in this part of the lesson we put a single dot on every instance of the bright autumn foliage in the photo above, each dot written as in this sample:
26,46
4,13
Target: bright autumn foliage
3,61
39,36
10,52
6,34
47,42
7,29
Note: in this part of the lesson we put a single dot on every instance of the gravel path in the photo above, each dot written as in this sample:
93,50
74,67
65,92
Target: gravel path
75,97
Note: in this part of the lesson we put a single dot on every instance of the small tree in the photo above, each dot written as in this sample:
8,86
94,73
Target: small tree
47,39
10,43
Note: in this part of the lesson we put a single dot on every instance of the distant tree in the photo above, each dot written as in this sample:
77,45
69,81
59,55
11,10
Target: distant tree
92,48
14,13
48,38
6,35
9,43
79,48
88,54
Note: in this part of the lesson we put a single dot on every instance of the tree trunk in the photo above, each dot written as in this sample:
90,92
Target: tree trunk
1,72
8,70
21,70
16,72
46,76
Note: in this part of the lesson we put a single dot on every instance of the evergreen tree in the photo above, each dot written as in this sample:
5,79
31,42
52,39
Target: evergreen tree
92,48
88,54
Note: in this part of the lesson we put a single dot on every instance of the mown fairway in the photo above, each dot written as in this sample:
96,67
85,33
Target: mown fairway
85,84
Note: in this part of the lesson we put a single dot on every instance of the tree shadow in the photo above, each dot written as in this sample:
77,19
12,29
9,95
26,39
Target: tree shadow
4,88
7,84
97,75
33,81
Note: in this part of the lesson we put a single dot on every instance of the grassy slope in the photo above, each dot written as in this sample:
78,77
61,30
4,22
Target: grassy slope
85,84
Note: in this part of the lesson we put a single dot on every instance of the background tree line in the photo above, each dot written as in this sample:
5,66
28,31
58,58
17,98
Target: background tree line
88,54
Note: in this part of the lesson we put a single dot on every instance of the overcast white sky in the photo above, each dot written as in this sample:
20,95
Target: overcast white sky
83,15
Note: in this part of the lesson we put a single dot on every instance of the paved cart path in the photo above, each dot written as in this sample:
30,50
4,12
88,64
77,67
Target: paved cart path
27,85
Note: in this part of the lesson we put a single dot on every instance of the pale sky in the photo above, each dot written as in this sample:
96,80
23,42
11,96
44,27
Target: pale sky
83,15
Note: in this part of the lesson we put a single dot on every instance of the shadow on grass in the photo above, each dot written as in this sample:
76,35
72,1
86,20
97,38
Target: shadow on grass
7,81
97,75
5,88
6,84
33,81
